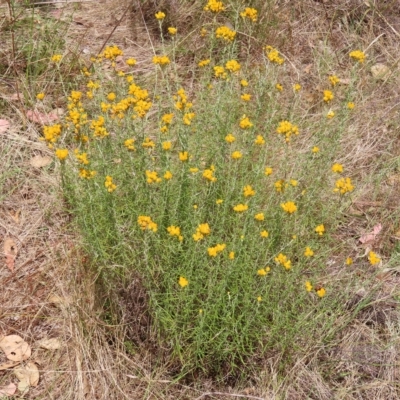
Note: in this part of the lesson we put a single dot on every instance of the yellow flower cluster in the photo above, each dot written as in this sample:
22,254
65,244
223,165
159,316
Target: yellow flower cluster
289,207
308,252
263,271
203,63
201,231
181,104
236,155
214,6
358,55
129,144
241,208
86,173
273,55
110,186
373,258
146,222
232,66
97,125
220,72
161,60
223,32
259,217
250,13
148,144
283,260
81,157
287,128
334,80
248,191
214,251
61,154
56,58
245,122
337,168
320,229
152,177
259,140
111,52
343,186
328,96
51,134
209,174
175,231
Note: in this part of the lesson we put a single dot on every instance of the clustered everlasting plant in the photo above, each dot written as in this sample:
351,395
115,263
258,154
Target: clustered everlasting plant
213,196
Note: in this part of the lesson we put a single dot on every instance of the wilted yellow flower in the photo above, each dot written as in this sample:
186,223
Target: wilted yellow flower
289,207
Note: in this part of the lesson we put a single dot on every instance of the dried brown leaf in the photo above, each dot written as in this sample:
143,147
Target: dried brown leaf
40,161
8,390
370,237
8,365
50,344
10,253
15,216
42,118
15,348
380,71
4,125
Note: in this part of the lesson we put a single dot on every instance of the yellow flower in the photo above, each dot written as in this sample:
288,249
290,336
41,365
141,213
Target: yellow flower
264,234
111,52
245,122
293,182
183,156
337,168
297,87
152,177
131,62
195,206
187,118
61,154
330,114
244,83
129,144
214,6
320,229
146,222
193,170
86,174
349,261
268,171
321,292
203,32
40,96
223,32
160,15
259,140
183,282
328,96
213,251
259,217
343,185
82,158
308,286
248,191
245,97
209,175
283,260
148,143
56,58
110,186
230,138
315,149
232,255
373,258
279,87
357,55
289,207
232,65
273,55
350,105
236,155
166,145
287,128
203,63
240,207
259,299
219,201
308,252
172,31
334,80
250,13
263,271
111,96
161,60
168,175
280,185
219,72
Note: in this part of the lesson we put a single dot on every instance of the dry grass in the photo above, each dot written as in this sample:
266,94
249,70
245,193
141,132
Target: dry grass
94,362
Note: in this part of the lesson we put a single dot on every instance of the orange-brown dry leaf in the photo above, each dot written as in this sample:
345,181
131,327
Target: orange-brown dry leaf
10,252
8,365
42,118
15,348
40,161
